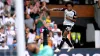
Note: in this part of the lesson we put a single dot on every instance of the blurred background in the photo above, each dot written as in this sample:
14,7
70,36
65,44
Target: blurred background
86,31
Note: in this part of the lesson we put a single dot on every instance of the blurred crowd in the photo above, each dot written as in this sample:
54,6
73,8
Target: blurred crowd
7,25
37,16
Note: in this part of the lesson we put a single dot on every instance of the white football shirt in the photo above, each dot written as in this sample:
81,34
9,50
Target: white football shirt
71,15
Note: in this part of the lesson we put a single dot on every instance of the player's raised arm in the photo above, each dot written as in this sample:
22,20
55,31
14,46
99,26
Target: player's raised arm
57,9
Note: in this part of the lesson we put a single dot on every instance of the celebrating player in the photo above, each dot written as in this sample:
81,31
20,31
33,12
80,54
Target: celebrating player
69,21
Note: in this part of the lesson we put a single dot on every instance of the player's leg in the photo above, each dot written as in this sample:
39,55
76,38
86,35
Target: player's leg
59,46
62,42
70,45
68,40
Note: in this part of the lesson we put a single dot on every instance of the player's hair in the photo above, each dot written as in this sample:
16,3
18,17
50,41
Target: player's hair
69,2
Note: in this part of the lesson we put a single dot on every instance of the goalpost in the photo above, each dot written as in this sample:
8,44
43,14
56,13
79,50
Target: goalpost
20,27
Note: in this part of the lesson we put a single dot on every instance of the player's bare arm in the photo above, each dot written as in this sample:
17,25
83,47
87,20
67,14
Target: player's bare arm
71,19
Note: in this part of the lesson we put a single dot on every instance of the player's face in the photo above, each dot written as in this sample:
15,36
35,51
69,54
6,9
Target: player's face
69,7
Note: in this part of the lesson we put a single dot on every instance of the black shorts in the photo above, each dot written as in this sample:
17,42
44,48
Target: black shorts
65,26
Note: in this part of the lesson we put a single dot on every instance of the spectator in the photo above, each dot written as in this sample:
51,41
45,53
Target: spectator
29,9
58,39
34,12
7,7
44,6
2,35
1,21
27,3
31,36
36,7
1,4
33,8
44,3
37,38
15,43
4,46
27,34
40,22
3,39
10,36
29,22
48,19
51,40
10,19
40,39
1,11
55,30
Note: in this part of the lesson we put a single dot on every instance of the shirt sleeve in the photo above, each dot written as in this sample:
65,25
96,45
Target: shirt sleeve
75,14
63,9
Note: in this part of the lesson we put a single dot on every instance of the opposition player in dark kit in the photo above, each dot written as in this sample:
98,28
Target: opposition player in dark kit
69,21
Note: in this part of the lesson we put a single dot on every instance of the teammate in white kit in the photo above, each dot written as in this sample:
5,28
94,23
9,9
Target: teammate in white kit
69,21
